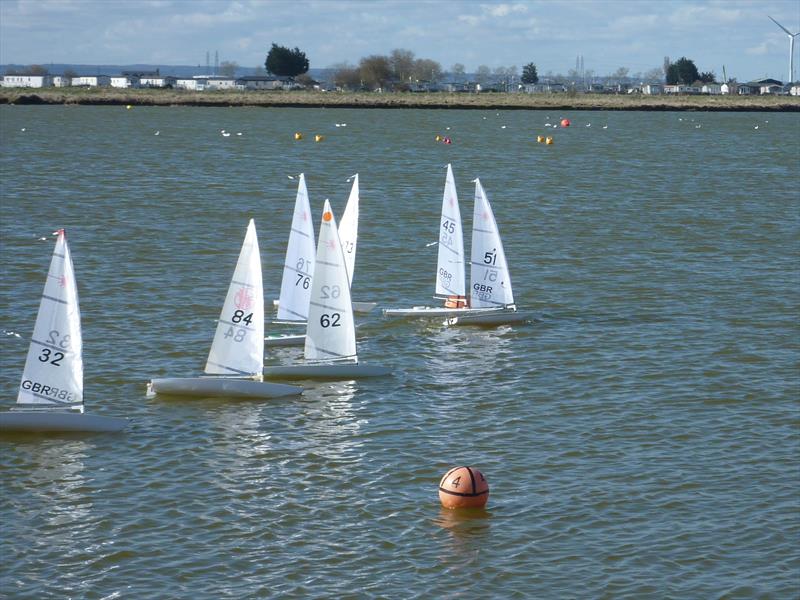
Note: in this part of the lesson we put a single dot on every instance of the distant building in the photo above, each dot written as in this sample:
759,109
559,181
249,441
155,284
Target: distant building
156,81
215,82
729,88
196,83
91,81
653,89
125,81
713,89
259,82
794,89
745,89
27,81
61,81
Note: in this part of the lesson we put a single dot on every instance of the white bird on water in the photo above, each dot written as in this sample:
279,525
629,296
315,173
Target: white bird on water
157,133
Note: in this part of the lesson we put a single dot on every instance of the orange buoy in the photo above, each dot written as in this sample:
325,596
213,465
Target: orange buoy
539,138
319,138
463,487
565,122
298,136
438,138
549,140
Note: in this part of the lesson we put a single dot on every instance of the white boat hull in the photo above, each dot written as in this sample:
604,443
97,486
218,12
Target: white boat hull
221,386
363,307
298,339
333,371
503,317
435,312
54,421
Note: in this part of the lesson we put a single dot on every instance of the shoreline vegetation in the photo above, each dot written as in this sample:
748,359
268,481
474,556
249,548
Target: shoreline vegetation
432,100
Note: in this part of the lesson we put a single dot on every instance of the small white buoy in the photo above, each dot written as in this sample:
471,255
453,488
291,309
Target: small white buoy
238,133
226,134
756,127
23,129
588,124
605,126
502,127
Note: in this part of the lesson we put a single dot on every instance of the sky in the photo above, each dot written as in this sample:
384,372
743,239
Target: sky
608,34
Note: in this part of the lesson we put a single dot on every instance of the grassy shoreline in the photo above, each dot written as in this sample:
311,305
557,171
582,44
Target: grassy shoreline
312,99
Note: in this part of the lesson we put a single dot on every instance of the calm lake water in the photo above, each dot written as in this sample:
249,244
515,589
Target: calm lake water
641,438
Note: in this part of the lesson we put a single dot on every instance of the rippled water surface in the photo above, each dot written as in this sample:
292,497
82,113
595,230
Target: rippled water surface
640,436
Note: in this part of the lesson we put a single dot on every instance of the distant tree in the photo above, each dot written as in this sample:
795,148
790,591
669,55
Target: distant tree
458,69
708,77
259,71
36,70
228,68
482,74
529,74
653,75
426,69
621,73
305,80
375,71
346,77
401,63
665,67
284,62
682,71
70,73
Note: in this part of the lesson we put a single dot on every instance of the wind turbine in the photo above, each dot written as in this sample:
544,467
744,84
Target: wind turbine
791,48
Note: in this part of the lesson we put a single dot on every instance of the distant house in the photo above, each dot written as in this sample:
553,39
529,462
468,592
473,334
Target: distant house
729,88
29,81
653,89
61,81
596,88
197,83
215,82
259,82
713,89
453,86
156,81
745,89
91,81
125,81
794,89
771,89
544,88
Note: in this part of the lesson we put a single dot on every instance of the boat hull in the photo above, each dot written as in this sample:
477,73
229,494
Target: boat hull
363,307
436,312
221,386
503,317
341,371
298,339
54,421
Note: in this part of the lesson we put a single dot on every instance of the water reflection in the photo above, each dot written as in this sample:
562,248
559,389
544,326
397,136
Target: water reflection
333,422
458,352
469,528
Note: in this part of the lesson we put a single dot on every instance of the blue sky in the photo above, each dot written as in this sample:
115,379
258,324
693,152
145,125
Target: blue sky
635,34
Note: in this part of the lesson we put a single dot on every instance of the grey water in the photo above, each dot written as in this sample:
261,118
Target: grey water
640,436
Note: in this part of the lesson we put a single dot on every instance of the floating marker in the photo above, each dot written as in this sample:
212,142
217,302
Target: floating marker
463,487
549,140
565,122
298,136
438,138
540,138
318,138
128,107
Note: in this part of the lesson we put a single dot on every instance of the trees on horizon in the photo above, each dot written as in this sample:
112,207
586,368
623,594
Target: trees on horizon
285,62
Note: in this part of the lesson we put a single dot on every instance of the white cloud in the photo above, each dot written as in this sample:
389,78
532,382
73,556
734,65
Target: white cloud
503,10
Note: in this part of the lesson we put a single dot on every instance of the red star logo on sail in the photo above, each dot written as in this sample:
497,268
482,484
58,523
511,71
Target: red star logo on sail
452,201
331,244
62,281
486,215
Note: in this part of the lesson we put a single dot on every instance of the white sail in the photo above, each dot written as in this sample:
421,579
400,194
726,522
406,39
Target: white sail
450,267
489,276
298,268
53,374
238,346
348,229
331,333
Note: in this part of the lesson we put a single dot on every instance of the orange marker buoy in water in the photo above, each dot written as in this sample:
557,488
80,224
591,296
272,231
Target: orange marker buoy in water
548,141
463,487
319,138
565,122
298,136
438,138
539,138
